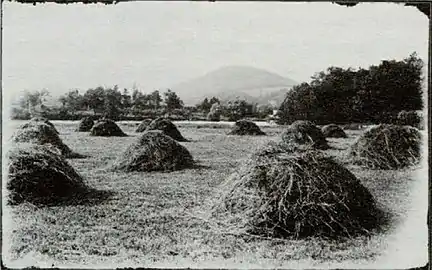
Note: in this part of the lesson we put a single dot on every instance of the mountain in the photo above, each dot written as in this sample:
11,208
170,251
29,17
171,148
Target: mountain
230,82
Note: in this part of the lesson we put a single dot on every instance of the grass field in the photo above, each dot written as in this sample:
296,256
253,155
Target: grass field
157,219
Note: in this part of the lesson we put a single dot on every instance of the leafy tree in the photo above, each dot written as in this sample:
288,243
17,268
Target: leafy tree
172,101
33,101
215,112
238,109
95,99
155,100
72,101
112,103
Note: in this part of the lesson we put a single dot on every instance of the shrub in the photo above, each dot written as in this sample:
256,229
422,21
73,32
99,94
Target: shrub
154,151
387,147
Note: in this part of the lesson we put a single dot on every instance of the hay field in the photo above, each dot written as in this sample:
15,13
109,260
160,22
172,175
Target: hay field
156,219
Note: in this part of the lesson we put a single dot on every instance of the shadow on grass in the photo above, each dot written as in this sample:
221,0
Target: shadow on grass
86,197
74,155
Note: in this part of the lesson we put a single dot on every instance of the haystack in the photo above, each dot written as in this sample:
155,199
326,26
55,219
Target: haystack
106,128
154,151
43,134
40,120
387,147
85,124
39,175
333,131
292,194
167,127
410,118
143,125
246,127
305,133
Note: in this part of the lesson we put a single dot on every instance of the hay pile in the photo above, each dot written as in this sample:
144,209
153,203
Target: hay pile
294,194
154,151
37,174
305,133
409,118
43,134
36,120
106,128
85,124
167,127
246,127
143,125
387,147
333,131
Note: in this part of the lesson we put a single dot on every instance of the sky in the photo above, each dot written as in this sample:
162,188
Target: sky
156,45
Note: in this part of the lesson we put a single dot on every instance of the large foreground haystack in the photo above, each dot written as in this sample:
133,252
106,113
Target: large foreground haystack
387,147
246,127
106,128
39,175
43,134
85,124
167,127
283,193
143,125
305,133
154,151
333,131
36,120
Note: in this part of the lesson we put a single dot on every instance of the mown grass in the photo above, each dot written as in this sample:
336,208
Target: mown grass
155,219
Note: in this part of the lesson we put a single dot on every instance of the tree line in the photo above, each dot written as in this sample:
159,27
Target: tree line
372,95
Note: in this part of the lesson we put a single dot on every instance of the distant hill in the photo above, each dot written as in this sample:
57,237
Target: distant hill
230,82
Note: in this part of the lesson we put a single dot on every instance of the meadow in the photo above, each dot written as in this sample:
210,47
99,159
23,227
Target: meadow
159,219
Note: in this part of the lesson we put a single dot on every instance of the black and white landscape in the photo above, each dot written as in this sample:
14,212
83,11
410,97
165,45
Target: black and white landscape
216,135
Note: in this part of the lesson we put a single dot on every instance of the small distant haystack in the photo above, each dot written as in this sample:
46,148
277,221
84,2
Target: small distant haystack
85,124
40,120
292,194
106,128
167,127
246,127
154,151
143,125
333,131
387,147
43,134
409,118
39,175
305,133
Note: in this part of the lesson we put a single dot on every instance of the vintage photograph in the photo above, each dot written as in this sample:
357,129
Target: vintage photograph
215,135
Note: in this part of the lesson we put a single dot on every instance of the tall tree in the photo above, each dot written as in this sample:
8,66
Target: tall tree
172,101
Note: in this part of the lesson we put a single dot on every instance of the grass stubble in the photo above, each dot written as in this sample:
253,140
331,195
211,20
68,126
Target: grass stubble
159,219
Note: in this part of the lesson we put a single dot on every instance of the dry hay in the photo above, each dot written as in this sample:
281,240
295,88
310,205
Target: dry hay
283,193
85,124
333,131
106,128
40,120
143,125
39,175
154,151
387,147
167,127
246,127
305,133
43,134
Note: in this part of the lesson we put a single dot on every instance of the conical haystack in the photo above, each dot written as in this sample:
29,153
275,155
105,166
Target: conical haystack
85,124
42,134
154,151
333,131
107,128
143,125
167,127
39,175
305,133
283,193
387,147
40,120
246,127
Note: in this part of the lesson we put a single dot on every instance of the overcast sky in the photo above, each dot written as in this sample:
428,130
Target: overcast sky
159,44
